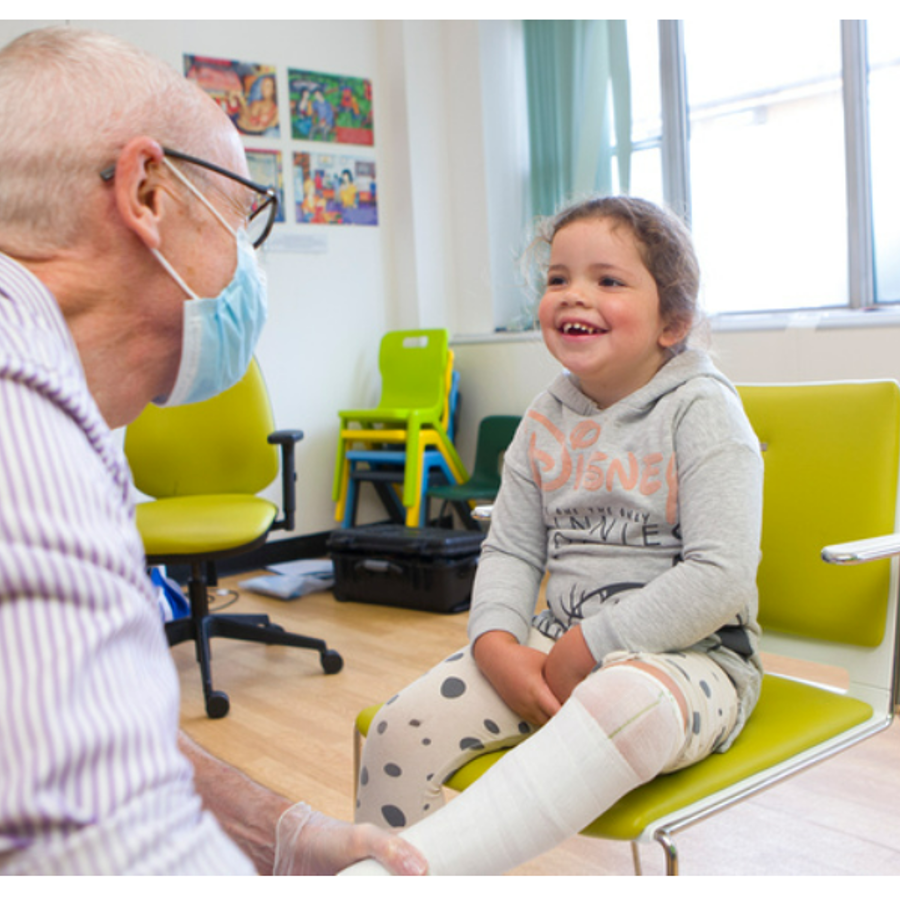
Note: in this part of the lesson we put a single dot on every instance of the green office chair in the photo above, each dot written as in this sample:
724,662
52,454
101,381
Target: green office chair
495,433
205,463
831,456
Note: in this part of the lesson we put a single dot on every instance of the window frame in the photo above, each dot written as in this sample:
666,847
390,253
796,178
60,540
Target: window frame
675,150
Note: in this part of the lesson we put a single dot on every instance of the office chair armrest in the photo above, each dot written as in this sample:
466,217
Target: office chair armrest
287,440
866,550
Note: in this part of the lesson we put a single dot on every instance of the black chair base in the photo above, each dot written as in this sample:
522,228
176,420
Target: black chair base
202,625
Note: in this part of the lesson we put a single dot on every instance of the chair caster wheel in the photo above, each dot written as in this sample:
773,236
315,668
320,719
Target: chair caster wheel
332,662
217,705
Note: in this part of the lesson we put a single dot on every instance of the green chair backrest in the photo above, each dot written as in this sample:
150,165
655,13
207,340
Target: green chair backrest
495,434
218,446
831,463
413,367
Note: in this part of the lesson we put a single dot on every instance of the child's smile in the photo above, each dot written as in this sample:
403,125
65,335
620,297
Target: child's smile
600,312
580,329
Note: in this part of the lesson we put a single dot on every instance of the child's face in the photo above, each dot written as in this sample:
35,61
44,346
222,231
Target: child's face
600,311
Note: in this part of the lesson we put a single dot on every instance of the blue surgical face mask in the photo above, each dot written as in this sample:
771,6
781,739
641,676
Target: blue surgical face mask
220,333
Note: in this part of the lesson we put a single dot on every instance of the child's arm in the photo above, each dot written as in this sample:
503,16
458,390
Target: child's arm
505,593
568,664
516,672
720,511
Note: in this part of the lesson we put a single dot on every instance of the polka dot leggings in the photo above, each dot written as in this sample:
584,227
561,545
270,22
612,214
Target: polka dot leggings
424,734
421,736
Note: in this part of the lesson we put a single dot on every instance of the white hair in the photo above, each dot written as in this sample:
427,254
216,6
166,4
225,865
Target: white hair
70,100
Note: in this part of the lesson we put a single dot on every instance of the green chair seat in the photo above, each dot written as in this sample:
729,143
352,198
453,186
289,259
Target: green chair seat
205,524
790,717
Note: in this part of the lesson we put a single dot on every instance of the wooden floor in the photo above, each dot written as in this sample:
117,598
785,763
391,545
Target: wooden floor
290,728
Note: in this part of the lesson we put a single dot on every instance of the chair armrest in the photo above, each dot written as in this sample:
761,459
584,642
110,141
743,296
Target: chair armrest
866,550
287,440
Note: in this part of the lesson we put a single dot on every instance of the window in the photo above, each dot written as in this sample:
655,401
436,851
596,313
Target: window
768,202
646,107
778,142
778,155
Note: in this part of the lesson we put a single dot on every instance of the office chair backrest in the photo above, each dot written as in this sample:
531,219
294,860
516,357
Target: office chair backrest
413,367
831,474
218,446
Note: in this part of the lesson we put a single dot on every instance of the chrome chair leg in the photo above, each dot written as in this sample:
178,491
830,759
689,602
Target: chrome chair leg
636,857
671,852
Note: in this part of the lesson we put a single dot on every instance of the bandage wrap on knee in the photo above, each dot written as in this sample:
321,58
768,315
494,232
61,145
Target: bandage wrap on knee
638,713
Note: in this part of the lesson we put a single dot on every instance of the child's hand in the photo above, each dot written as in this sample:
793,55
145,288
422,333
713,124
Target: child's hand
568,664
516,673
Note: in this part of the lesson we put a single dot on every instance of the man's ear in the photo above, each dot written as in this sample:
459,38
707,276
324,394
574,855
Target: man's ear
137,186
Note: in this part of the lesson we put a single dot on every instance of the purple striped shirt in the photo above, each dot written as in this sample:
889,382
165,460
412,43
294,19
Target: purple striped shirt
91,780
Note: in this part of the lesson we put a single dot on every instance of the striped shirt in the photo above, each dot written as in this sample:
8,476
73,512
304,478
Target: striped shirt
91,780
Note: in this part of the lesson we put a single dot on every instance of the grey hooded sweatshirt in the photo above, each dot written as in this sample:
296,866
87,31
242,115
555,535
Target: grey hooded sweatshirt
646,517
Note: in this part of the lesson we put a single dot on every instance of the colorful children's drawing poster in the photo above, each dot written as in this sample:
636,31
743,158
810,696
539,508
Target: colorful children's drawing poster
265,168
335,190
330,108
247,92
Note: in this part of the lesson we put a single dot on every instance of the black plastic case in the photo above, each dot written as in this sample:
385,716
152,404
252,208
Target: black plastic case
430,569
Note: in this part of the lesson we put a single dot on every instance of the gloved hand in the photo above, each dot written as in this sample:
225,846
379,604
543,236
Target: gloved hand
310,843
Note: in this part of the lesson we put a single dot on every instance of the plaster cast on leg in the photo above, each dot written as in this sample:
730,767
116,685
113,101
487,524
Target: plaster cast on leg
618,730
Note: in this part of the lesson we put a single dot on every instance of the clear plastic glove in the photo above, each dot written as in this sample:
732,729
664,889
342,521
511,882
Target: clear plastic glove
310,843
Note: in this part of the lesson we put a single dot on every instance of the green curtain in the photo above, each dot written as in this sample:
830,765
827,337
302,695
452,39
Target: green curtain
579,109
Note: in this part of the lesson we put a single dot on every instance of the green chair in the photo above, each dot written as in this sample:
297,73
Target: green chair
832,453
495,433
204,463
415,384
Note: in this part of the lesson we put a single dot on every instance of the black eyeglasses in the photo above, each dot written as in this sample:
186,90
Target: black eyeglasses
265,199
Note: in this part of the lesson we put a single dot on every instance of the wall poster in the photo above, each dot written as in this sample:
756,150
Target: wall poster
331,189
331,108
247,92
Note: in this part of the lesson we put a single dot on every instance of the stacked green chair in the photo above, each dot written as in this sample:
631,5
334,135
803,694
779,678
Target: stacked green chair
204,464
384,467
416,375
831,455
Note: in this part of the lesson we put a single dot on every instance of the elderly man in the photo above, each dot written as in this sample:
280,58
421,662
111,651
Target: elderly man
126,275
